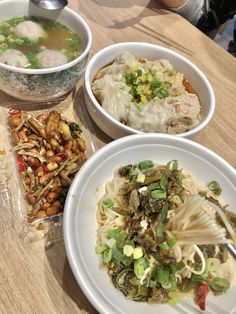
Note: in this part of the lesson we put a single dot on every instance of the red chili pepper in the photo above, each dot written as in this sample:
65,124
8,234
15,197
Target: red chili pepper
21,163
201,296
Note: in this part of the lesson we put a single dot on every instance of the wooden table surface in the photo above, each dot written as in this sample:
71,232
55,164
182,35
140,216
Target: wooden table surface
36,280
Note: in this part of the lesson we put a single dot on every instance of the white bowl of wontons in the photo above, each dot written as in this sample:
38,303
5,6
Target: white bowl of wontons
43,53
98,200
136,87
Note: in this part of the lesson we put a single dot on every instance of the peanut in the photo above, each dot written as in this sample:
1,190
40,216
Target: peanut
54,143
33,162
68,152
41,214
52,166
55,159
51,197
56,204
31,199
52,211
44,178
14,120
45,206
49,153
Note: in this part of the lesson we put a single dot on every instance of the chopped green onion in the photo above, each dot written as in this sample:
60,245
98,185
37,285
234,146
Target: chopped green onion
172,72
168,244
215,187
172,282
160,227
145,164
164,246
127,261
220,284
140,72
173,298
212,264
162,93
121,275
163,276
155,83
177,266
172,165
117,255
198,278
139,267
153,277
186,285
101,248
128,250
153,186
158,194
108,203
171,242
137,252
163,182
116,234
107,256
180,265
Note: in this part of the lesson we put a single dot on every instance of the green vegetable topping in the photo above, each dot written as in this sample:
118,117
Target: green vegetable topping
139,267
145,85
116,234
74,129
158,194
172,165
146,164
107,256
220,284
168,244
108,203
215,187
101,248
160,227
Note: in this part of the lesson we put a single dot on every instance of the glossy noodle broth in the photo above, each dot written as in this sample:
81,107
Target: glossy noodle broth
33,42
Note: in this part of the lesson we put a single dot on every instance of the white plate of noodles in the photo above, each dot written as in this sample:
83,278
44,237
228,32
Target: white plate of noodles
145,224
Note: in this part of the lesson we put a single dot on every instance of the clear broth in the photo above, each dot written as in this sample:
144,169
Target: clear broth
59,37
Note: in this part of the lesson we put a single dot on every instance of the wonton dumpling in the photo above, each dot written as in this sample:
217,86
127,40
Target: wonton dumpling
14,58
49,58
30,30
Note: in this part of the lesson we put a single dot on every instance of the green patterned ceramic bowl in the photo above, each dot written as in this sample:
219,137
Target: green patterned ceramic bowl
44,84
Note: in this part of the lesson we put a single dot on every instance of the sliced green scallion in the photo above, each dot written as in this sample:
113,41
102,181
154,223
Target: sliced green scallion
146,164
172,165
101,248
160,227
121,276
107,256
215,187
139,267
158,194
108,203
220,284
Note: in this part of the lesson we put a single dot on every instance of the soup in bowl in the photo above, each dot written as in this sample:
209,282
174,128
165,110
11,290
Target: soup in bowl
42,53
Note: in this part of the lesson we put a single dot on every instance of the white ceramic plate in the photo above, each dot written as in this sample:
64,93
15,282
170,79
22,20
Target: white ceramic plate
80,216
